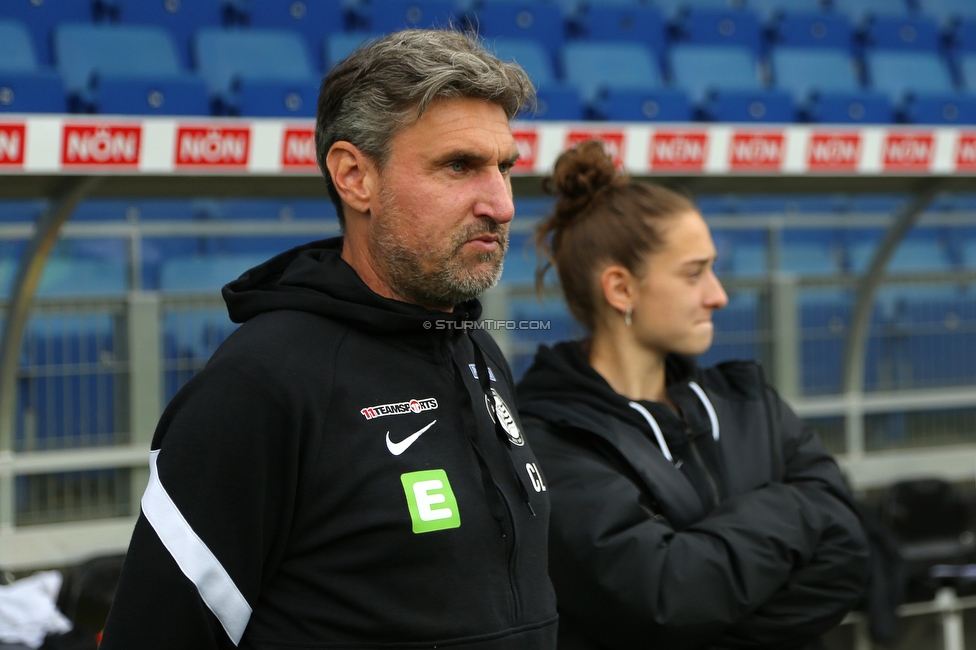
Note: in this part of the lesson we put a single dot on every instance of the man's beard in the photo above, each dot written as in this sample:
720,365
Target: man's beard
427,276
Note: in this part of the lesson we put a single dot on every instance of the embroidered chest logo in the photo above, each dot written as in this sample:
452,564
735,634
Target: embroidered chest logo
399,408
506,418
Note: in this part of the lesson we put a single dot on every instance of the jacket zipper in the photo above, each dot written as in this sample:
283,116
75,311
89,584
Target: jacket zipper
701,463
513,563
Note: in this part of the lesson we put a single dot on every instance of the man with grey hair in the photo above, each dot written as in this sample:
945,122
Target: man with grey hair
349,469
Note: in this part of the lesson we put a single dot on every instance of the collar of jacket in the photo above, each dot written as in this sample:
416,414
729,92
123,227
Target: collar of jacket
314,278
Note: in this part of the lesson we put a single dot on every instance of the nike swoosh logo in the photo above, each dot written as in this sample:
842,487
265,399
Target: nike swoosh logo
397,448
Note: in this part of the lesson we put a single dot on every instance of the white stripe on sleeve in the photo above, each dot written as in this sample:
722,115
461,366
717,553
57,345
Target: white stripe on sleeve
197,562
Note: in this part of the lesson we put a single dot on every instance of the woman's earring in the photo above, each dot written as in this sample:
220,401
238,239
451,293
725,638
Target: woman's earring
627,315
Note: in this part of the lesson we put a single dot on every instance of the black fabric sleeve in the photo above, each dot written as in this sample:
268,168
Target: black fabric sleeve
819,593
228,448
622,573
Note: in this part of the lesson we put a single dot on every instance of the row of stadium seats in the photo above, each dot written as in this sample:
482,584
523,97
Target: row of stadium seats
100,267
605,62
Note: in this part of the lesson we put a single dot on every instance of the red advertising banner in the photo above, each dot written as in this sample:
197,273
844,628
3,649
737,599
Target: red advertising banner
679,150
613,142
215,146
908,151
298,150
528,147
966,152
101,145
834,152
757,150
13,139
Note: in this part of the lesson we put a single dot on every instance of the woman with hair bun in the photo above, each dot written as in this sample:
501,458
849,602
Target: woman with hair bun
691,508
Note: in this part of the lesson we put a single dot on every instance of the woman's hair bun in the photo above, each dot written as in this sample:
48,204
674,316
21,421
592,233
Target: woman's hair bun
583,171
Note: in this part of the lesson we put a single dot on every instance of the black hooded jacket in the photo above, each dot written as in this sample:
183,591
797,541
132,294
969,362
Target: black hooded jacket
745,538
335,478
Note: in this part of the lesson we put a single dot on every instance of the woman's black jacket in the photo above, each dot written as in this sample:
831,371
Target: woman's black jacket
746,538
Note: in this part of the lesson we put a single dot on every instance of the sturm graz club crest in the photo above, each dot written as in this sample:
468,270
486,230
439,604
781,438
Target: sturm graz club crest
507,420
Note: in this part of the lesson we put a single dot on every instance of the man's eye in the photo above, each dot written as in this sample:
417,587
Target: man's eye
505,167
457,166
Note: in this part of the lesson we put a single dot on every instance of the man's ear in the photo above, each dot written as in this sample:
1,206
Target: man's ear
353,175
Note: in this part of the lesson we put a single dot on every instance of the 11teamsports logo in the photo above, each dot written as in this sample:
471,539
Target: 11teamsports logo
399,408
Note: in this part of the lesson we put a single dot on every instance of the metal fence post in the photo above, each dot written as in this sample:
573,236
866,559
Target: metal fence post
31,266
949,610
495,307
145,380
785,335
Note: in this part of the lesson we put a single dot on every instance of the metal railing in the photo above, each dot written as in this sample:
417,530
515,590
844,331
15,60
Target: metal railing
95,373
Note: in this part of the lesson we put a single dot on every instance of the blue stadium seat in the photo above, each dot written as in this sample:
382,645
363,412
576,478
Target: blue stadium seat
68,390
315,19
735,330
65,276
337,47
703,69
520,19
770,10
968,249
805,71
824,83
940,109
805,252
42,17
204,273
947,12
557,103
814,30
178,96
554,100
674,9
530,54
915,33
916,254
137,65
660,105
595,67
269,98
750,106
32,92
941,340
728,28
391,15
901,73
14,210
850,108
862,11
181,18
266,72
623,23
723,81
17,53
964,36
824,319
26,87
520,261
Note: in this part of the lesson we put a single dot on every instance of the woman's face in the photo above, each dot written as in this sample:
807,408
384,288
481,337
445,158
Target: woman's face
679,291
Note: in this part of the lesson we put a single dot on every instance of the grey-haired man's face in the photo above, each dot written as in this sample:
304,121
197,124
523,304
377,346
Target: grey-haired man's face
438,228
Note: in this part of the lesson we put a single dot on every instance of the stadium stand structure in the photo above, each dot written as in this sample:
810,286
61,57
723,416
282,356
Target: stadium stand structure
801,61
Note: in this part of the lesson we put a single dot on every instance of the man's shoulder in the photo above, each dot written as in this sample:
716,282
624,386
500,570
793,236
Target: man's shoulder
283,338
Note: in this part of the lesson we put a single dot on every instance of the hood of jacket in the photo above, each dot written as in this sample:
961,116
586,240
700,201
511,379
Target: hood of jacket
314,278
562,387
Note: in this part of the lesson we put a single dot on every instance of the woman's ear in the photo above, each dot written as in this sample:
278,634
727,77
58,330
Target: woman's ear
619,287
353,175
